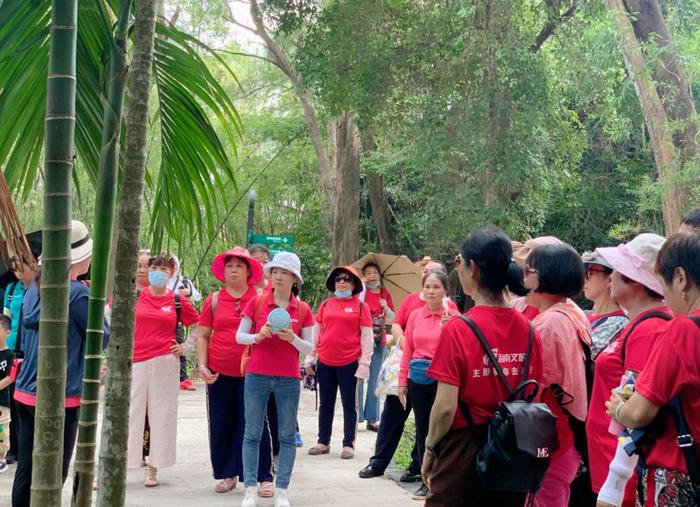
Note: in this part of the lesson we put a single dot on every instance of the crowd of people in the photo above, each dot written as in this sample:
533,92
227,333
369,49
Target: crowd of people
618,381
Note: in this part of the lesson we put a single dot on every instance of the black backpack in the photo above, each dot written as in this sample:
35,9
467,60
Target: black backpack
520,437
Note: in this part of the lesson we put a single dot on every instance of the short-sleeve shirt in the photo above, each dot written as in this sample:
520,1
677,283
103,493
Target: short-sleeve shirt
6,359
339,343
460,361
12,306
375,308
224,353
410,303
673,369
156,318
609,370
273,356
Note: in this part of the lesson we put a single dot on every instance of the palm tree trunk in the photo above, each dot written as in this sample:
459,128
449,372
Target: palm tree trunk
102,232
113,448
51,375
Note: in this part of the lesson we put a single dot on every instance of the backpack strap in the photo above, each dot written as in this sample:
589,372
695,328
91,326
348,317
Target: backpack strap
18,337
302,314
213,302
651,315
178,310
685,439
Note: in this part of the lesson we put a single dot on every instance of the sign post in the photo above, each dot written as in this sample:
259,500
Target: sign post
251,217
276,243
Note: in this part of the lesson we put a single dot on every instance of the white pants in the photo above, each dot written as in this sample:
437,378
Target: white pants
155,386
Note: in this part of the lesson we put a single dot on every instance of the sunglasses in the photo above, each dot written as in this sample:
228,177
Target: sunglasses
590,271
530,271
343,278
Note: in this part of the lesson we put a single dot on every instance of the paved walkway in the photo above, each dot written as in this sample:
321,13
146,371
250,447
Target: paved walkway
317,481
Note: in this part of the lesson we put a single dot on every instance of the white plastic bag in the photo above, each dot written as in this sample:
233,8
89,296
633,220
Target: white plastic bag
388,378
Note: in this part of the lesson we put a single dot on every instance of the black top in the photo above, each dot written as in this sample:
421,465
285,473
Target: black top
6,358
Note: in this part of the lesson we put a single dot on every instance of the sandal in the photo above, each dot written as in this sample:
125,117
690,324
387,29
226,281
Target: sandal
226,485
267,490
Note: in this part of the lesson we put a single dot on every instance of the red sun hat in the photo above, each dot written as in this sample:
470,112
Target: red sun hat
218,265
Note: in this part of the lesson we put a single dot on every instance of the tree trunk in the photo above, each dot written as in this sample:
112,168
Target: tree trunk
47,454
345,142
102,232
377,198
113,448
654,116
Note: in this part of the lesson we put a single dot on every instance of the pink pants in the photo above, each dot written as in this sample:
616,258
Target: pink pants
554,491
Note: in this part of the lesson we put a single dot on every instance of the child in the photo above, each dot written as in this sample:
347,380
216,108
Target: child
6,358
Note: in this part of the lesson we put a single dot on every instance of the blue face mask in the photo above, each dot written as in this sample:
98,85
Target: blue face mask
158,279
374,285
343,294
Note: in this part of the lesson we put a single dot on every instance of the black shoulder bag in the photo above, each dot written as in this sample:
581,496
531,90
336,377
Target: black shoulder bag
521,435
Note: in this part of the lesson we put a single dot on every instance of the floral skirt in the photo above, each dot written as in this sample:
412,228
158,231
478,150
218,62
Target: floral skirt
667,488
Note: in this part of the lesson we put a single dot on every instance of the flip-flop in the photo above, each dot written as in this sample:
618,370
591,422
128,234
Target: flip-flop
267,490
226,485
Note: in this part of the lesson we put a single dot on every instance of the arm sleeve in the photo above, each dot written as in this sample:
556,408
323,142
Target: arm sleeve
367,345
315,333
621,468
243,335
189,315
190,343
304,343
194,293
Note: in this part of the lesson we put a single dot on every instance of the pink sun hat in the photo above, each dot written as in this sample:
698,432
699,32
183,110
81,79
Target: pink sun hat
218,265
637,260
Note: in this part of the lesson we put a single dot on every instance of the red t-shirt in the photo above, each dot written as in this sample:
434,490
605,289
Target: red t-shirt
274,356
459,359
223,353
608,374
154,329
673,369
376,309
340,319
410,303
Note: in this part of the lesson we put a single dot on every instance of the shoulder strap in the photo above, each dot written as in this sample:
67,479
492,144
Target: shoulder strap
259,302
214,301
302,314
18,338
652,315
178,310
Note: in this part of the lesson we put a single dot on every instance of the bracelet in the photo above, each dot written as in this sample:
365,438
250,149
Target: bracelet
616,413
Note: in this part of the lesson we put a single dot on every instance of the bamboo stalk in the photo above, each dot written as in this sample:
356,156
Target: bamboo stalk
58,167
113,448
104,220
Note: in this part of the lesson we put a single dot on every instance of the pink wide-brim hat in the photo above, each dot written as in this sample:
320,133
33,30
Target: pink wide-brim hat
218,265
637,260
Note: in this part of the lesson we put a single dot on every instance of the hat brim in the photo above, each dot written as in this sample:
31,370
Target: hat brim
624,264
330,281
218,267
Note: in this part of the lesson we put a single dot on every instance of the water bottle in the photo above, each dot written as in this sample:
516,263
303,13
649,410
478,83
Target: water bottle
625,391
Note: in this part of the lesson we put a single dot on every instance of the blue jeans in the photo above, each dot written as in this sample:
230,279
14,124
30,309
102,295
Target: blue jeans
257,390
369,411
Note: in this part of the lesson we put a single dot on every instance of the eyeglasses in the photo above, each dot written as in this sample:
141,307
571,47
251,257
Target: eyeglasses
590,271
343,278
531,271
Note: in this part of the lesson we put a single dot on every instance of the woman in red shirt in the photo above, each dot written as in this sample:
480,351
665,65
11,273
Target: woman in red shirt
554,273
273,369
485,271
422,335
671,375
344,342
219,359
156,370
636,287
381,307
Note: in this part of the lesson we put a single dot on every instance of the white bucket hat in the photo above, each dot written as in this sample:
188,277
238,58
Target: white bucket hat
288,261
637,260
80,242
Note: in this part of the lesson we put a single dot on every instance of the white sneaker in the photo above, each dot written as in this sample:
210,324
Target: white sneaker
251,497
281,499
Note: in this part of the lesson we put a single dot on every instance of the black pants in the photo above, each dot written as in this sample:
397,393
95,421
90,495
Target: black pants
391,424
14,425
330,378
183,367
422,398
21,489
226,408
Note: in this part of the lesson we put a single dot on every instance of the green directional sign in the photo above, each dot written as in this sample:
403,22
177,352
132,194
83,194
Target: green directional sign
276,243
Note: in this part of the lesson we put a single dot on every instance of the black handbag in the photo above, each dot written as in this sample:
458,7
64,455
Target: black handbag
520,437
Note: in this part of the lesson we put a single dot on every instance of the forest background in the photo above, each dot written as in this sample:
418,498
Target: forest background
520,114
